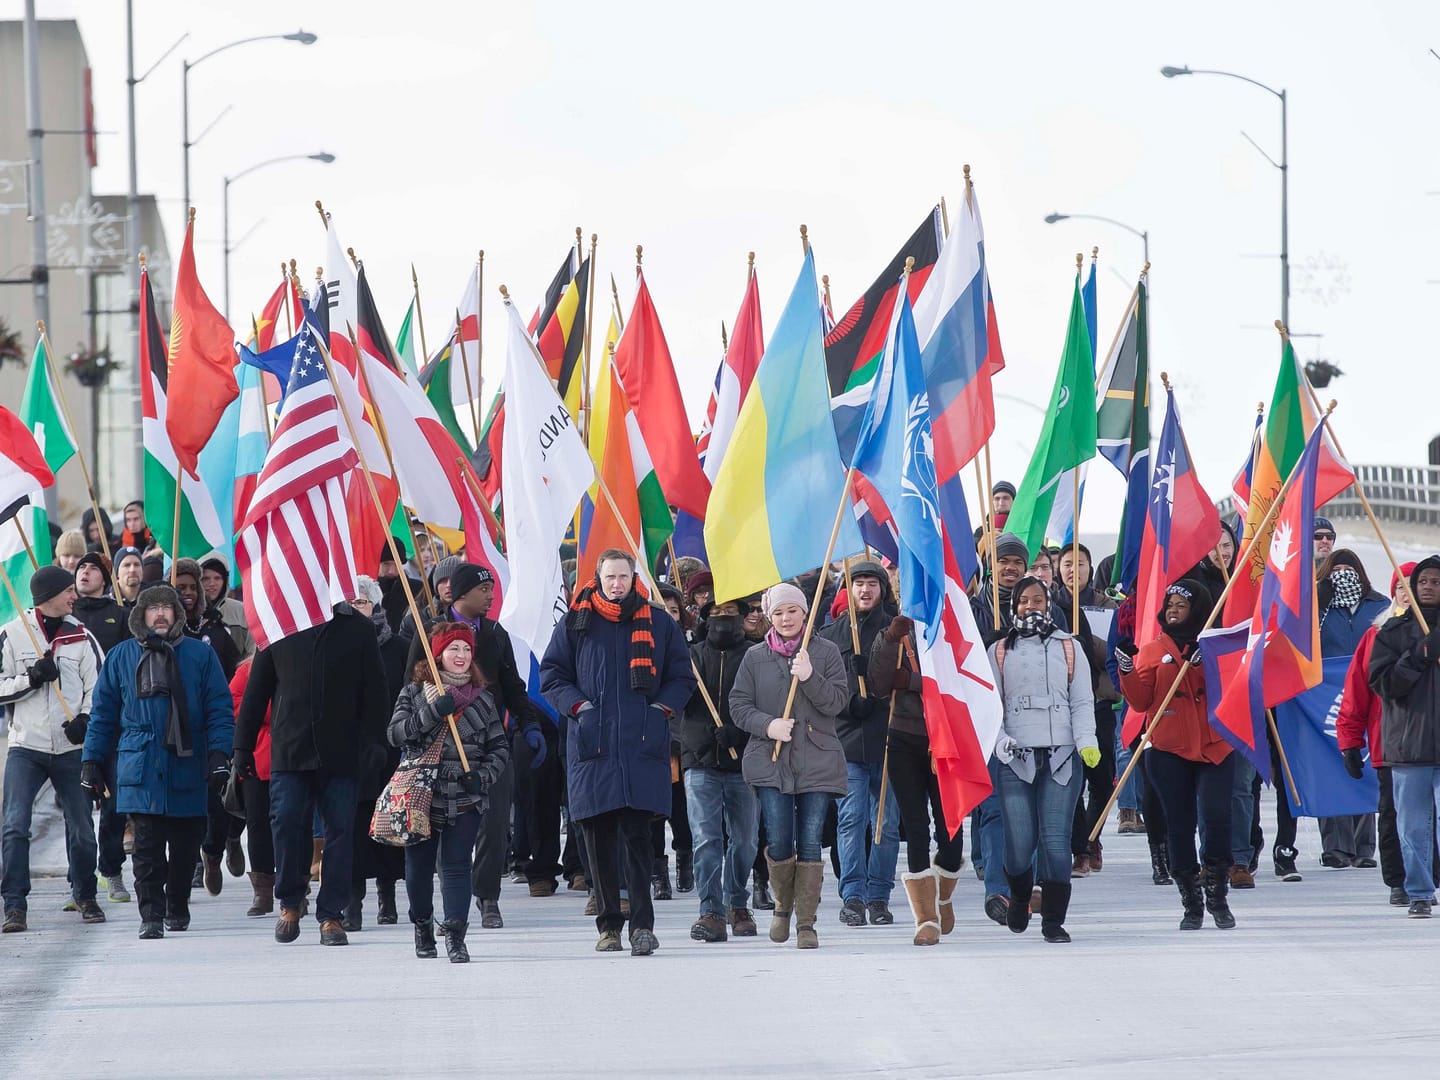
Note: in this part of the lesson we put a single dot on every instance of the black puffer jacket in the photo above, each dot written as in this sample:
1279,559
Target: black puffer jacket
414,726
702,744
104,618
1405,672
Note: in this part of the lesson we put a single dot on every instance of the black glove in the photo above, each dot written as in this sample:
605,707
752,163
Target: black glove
218,771
43,671
859,666
245,765
74,728
730,737
861,707
92,781
1354,763
472,783
1127,646
443,705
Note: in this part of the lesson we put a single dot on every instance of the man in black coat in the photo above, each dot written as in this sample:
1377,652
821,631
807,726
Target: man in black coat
95,608
867,875
325,688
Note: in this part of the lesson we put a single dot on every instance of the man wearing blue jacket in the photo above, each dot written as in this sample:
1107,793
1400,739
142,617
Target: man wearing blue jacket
163,702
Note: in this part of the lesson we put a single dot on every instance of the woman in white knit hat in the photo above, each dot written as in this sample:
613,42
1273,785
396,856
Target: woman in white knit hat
794,759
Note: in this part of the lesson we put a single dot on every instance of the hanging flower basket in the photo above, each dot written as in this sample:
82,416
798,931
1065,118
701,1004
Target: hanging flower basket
11,350
91,368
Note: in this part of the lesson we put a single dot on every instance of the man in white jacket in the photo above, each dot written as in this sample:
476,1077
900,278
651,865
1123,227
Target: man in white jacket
45,743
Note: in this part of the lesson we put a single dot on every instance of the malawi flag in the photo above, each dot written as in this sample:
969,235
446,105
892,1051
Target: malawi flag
642,360
165,481
201,362
1282,657
623,462
1291,420
854,345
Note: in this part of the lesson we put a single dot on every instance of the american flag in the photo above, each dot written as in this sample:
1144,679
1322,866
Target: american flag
294,548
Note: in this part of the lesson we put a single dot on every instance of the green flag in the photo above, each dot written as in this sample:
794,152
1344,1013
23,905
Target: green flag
405,343
435,380
40,412
15,559
1068,437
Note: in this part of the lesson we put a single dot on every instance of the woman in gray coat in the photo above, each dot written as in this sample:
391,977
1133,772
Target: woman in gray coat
1049,730
797,765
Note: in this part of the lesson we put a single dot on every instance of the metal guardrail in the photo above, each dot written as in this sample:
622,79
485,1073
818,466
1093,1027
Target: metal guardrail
1408,494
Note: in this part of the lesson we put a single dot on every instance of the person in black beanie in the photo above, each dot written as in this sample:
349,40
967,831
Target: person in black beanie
392,593
94,606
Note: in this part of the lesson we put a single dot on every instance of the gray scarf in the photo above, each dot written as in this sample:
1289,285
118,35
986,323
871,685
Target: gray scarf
158,675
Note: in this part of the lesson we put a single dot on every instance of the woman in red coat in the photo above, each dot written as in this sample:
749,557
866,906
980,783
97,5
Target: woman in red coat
1357,724
1190,765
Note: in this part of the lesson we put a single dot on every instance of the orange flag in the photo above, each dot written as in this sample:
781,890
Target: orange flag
201,362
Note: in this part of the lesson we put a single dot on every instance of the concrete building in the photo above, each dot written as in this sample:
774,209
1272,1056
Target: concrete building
89,281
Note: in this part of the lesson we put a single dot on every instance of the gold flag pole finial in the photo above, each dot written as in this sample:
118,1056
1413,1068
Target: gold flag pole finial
639,255
805,238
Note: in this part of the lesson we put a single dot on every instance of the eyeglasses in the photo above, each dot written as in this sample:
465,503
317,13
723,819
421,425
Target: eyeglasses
1324,536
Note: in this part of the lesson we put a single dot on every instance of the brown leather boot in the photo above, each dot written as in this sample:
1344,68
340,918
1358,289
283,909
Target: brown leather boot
287,926
922,890
214,881
948,881
264,888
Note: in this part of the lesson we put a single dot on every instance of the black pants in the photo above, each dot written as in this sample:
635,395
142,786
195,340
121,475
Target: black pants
1155,831
494,839
1392,864
379,861
680,838
537,807
917,794
1284,818
259,839
1193,791
220,826
110,835
603,854
164,860
1099,783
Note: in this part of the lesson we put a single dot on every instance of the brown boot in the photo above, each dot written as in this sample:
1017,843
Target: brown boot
782,887
214,881
922,890
1096,858
264,887
809,876
316,851
948,881
287,926
1079,868
742,923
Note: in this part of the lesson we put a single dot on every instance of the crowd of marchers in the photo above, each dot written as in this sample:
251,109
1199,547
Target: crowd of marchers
664,723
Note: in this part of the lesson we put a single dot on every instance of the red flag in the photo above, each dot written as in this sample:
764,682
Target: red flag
23,471
643,360
201,362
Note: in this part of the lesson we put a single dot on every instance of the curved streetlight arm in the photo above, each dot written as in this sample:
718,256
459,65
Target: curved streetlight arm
1052,218
1231,75
246,41
321,157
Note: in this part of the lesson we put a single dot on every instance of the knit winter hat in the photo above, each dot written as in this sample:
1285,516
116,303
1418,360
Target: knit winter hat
49,582
121,554
1323,523
1003,487
445,569
452,632
189,568
778,596
466,577
97,559
1010,544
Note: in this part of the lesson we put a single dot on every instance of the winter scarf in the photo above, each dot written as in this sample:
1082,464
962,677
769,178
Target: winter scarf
383,633
1348,589
779,645
1040,623
158,675
461,686
632,609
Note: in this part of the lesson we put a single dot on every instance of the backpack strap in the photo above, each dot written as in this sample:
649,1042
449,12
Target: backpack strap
1000,659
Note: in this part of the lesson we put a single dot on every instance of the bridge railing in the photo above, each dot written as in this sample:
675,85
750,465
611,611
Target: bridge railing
1407,494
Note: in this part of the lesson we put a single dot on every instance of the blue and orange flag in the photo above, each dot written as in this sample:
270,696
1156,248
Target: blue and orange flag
1282,654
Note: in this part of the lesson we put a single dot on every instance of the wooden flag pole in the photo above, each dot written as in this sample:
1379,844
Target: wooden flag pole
24,539
390,542
419,317
1284,760
992,530
710,704
1075,559
854,628
481,501
285,303
175,536
900,654
79,454
615,295
819,592
470,402
479,342
1158,713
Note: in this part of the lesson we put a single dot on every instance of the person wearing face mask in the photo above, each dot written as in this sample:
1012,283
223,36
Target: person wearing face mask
1358,723
1349,607
1405,672
722,807
1047,738
1191,767
796,762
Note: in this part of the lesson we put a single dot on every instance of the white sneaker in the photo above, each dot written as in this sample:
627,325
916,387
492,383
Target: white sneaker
115,889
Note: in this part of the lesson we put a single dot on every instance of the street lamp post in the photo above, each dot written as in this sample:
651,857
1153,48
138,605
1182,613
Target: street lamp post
304,37
1283,165
1143,234
322,157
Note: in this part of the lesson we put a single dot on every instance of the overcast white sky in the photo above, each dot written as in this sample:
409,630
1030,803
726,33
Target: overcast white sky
703,133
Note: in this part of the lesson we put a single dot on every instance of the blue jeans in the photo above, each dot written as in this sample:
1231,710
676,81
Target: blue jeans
294,799
25,772
1132,795
1417,792
989,845
1242,811
452,847
721,806
866,878
1038,818
793,823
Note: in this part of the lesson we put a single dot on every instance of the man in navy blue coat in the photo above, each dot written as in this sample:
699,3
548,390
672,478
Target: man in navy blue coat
618,670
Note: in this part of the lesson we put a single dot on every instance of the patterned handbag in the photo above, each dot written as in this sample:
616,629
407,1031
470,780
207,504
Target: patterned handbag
402,812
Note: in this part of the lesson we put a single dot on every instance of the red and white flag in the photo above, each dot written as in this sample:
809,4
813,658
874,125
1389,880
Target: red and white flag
294,548
963,711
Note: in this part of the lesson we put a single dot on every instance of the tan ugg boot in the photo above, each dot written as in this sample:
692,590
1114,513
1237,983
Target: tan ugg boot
808,878
923,892
947,881
782,887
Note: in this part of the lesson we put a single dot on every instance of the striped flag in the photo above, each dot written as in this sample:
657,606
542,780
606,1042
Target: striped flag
294,547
